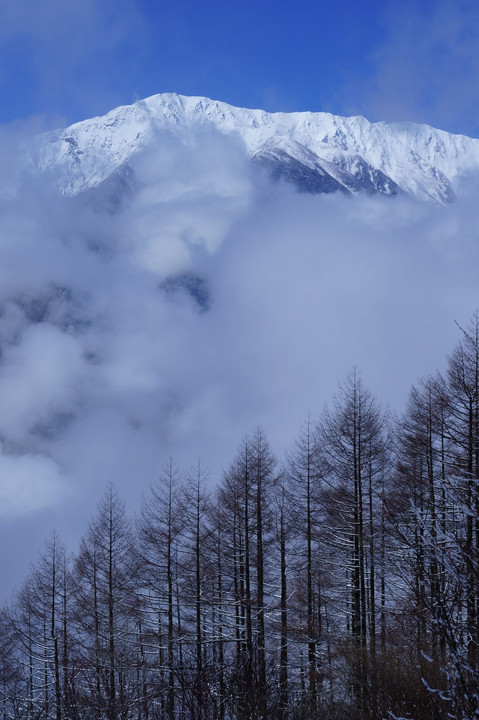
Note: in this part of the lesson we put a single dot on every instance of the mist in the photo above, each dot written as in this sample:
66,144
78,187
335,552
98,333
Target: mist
204,301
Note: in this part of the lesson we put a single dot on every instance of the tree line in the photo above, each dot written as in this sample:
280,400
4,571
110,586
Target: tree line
341,581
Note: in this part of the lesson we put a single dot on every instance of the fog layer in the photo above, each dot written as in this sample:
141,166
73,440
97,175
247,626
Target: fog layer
173,317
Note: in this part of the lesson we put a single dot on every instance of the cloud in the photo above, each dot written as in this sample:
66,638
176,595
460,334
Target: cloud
189,195
210,301
41,369
28,484
426,67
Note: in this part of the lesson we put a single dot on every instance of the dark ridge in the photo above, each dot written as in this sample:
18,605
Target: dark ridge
56,305
362,178
281,165
367,178
192,286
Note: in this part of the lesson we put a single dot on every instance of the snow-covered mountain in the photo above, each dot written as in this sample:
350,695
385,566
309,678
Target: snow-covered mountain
318,152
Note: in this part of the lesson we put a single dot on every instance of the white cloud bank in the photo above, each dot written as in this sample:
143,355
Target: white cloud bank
109,364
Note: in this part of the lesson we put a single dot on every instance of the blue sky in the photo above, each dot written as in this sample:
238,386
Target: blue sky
64,60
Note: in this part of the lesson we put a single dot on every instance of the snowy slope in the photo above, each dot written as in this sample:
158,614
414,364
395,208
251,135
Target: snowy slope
319,152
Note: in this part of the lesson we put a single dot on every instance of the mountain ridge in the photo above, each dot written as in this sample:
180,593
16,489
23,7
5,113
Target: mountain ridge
318,152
